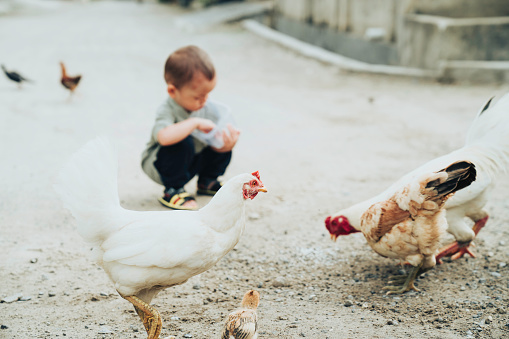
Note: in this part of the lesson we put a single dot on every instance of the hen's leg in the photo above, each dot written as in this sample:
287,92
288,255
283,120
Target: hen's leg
403,283
149,315
457,250
142,317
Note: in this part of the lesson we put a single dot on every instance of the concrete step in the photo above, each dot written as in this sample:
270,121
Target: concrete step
426,40
478,72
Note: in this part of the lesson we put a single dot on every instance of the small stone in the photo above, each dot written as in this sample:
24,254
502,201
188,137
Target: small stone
490,254
27,298
312,297
51,294
174,318
260,285
462,288
103,294
280,282
392,322
196,286
348,303
12,298
482,281
105,330
501,242
496,274
254,216
502,264
188,335
3,327
33,261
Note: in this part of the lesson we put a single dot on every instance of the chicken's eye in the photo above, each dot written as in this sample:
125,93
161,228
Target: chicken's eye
253,183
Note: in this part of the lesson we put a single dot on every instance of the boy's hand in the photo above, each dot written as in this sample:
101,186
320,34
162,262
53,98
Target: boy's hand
204,125
230,139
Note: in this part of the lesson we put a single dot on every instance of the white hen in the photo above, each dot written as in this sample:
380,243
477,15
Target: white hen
487,146
145,252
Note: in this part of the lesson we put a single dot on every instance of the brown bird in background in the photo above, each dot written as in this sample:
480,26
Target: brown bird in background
67,81
243,323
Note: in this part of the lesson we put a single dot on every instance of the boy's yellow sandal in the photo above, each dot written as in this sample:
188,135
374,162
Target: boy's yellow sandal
176,198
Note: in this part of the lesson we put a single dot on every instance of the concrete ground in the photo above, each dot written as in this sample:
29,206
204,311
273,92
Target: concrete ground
321,138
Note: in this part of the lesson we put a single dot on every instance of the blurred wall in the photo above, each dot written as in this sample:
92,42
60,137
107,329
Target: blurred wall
424,33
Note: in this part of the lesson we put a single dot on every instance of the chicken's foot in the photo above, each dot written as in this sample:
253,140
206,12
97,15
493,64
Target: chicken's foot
457,250
403,283
149,315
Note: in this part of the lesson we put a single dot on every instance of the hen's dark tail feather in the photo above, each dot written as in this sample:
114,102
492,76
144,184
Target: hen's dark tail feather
486,106
460,175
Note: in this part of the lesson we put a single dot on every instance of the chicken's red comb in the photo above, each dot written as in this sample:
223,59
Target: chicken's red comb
257,175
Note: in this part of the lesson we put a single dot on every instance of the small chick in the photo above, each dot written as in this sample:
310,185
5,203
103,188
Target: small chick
67,81
243,323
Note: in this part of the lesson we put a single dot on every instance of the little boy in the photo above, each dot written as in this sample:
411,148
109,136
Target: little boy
173,156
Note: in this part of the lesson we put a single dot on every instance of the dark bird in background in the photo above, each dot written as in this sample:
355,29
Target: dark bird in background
16,77
67,81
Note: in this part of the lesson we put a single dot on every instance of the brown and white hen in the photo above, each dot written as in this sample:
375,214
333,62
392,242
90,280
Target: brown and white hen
487,146
146,252
408,226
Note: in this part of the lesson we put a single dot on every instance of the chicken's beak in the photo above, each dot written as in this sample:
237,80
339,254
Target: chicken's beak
262,189
333,237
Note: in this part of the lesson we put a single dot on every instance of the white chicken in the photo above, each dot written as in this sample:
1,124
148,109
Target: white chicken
408,226
487,146
146,252
243,323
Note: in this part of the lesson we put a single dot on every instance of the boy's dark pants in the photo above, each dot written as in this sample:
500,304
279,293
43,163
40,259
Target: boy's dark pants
178,163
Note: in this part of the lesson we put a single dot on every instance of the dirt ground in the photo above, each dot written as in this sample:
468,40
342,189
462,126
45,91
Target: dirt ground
321,138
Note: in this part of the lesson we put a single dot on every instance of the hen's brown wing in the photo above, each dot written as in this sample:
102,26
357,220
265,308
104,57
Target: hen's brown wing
389,213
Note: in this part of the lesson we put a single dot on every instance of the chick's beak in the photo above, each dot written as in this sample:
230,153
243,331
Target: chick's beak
262,189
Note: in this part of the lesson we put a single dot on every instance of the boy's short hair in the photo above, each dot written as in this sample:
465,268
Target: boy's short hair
181,65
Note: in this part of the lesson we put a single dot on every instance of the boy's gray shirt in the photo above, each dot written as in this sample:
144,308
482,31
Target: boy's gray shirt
168,114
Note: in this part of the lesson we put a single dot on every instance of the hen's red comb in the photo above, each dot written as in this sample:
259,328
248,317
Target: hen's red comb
257,175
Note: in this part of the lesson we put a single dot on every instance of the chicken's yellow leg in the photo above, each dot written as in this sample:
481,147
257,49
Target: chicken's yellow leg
142,317
150,316
457,250
403,283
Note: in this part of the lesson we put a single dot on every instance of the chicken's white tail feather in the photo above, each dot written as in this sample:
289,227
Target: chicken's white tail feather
489,133
88,187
